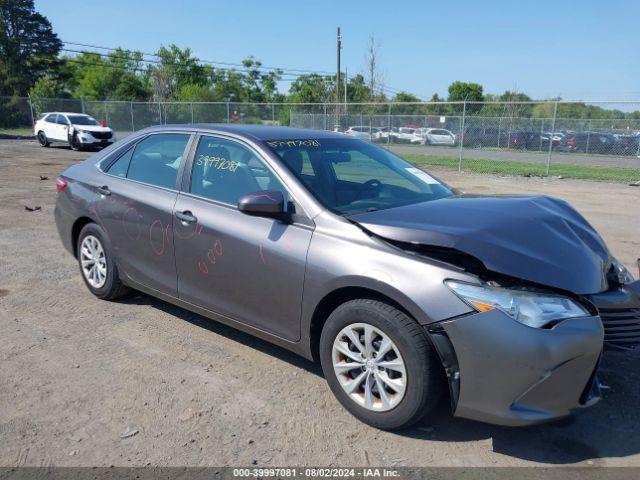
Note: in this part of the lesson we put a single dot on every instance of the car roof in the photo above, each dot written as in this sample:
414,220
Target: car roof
66,113
254,132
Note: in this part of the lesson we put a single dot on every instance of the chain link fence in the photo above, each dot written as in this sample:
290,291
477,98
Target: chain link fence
529,138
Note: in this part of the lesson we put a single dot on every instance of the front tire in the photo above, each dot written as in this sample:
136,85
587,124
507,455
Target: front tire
379,364
42,139
75,144
97,264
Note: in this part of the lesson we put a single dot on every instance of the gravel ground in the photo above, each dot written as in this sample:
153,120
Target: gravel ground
140,382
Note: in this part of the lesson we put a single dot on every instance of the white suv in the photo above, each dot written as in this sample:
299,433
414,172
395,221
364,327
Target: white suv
76,129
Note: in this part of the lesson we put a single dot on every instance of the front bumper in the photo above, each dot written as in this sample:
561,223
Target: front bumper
88,139
503,372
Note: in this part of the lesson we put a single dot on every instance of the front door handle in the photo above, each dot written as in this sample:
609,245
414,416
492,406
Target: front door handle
104,190
186,217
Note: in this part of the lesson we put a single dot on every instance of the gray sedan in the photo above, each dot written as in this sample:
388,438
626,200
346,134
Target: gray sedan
344,253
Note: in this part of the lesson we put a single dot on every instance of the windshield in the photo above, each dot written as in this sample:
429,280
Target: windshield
351,176
82,120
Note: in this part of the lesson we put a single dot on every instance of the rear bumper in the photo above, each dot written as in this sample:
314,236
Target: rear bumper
503,372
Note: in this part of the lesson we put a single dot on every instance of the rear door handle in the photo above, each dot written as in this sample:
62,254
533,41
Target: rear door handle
186,217
104,190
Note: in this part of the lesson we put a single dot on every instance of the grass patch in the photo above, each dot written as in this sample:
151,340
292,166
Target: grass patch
17,131
509,167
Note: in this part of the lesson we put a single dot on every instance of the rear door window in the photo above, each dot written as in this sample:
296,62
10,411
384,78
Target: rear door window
121,165
156,159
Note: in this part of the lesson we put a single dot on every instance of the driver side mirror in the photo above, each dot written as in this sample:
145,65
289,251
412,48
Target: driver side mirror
269,203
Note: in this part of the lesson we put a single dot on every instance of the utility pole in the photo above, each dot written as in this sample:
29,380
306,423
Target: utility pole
338,48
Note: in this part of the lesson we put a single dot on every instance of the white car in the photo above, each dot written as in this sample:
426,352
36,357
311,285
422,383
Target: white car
433,136
76,129
362,132
404,135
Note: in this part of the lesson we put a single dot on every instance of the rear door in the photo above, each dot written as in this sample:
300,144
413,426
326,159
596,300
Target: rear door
250,269
138,197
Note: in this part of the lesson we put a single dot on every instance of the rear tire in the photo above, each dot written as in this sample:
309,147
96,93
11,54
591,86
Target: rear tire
419,377
94,249
42,139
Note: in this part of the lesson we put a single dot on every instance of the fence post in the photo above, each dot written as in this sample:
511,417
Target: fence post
191,105
82,104
553,129
325,116
541,133
273,113
228,113
389,124
464,113
133,128
33,121
588,137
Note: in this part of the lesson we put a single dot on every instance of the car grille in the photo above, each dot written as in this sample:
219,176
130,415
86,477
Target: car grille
621,327
101,135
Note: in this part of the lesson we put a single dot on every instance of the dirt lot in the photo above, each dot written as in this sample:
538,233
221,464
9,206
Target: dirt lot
140,382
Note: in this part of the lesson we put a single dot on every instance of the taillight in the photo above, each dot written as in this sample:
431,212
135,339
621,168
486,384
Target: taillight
61,184
570,141
103,123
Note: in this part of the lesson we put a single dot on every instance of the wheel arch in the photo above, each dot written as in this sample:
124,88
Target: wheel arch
76,228
333,300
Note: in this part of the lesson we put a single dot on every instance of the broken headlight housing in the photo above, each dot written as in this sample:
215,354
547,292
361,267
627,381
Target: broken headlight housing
530,308
622,273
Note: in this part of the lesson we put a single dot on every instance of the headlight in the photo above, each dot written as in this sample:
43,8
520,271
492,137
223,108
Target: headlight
529,308
622,272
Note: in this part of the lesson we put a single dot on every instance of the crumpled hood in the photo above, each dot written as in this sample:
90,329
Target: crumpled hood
92,128
535,238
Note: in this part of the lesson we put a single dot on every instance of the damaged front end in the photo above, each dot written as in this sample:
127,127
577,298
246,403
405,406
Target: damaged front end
504,372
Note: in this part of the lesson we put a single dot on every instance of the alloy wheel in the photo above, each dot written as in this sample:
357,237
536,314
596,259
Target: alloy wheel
369,367
93,261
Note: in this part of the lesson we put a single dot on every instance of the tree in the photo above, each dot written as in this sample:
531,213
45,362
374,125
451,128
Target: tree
116,76
47,87
312,88
460,91
464,91
358,90
28,46
176,69
374,77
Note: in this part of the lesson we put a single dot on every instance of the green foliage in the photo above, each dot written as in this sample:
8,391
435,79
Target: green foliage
176,69
115,76
47,87
460,91
28,46
312,88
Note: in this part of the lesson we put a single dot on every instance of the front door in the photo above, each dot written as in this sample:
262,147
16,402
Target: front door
250,269
136,208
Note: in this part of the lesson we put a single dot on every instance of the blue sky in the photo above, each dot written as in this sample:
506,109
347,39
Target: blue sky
577,49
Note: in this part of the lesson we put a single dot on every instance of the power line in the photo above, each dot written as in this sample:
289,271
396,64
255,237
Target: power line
209,62
290,72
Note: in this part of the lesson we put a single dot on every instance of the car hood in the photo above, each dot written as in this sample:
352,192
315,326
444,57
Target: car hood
92,128
534,238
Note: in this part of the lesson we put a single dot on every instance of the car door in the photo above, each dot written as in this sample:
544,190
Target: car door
49,125
137,199
58,129
247,268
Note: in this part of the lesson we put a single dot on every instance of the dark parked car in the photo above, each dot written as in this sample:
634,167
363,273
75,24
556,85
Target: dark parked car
627,145
342,252
589,142
481,136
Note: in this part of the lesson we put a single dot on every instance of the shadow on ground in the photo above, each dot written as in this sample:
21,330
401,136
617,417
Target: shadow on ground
609,429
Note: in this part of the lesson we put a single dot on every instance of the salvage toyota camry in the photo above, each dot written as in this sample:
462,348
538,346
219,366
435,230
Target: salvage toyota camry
343,252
